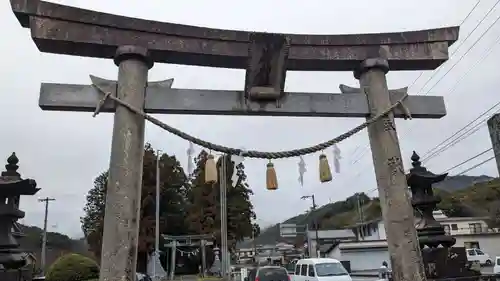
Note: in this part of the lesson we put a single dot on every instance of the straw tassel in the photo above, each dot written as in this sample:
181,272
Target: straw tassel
271,179
210,170
325,174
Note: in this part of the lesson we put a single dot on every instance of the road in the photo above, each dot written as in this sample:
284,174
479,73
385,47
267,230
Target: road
484,270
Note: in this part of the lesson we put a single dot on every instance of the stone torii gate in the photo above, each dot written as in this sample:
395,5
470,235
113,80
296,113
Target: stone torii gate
201,240
135,44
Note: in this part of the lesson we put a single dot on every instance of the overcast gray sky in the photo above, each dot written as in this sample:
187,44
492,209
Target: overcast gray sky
65,151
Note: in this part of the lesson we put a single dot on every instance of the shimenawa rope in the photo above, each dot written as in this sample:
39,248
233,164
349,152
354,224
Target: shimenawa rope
251,153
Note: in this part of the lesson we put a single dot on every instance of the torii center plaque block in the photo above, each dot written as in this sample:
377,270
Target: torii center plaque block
136,44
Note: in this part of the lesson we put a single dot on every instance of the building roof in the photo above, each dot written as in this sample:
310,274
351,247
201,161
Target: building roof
332,234
365,223
363,244
438,215
448,219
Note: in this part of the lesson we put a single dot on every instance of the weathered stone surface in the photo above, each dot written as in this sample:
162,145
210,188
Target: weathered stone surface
73,31
160,98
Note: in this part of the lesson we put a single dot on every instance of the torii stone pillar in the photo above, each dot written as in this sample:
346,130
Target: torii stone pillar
494,129
121,220
406,258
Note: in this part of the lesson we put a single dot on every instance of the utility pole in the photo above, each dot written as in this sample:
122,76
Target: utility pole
254,244
157,219
46,200
360,233
318,253
223,217
360,210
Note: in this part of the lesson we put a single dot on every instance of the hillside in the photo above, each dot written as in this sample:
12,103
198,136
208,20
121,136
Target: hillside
57,244
462,196
456,183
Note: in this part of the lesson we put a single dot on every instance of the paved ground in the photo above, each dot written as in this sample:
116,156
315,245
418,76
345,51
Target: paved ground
484,270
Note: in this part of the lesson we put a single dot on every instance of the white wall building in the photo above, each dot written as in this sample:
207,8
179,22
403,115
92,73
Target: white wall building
370,249
327,238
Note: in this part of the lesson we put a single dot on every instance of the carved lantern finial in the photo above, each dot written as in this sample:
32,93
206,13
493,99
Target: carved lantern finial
415,160
430,232
11,166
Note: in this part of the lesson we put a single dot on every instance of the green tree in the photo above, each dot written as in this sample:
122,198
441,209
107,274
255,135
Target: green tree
240,212
256,229
204,203
202,216
92,222
173,187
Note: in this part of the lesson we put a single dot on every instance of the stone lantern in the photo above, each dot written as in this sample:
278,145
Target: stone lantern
13,263
441,260
430,232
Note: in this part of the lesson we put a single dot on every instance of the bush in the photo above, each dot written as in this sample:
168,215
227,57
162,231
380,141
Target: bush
73,267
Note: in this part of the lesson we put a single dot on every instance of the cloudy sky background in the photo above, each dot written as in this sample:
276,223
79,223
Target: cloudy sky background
65,151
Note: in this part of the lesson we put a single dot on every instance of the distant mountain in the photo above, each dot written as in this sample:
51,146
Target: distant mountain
57,244
343,213
456,183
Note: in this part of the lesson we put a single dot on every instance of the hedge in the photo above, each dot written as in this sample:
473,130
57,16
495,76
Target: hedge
73,267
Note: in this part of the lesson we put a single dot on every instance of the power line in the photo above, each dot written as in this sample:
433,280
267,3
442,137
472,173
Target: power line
470,159
475,166
470,13
461,44
456,63
452,143
474,157
458,140
466,52
485,54
433,152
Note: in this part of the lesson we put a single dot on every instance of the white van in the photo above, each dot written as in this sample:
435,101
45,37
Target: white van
496,268
321,269
478,255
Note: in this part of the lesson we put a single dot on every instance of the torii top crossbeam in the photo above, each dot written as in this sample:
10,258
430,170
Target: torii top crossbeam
73,31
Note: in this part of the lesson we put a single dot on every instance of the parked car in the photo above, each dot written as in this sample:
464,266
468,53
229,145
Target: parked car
496,268
320,269
268,273
290,268
478,255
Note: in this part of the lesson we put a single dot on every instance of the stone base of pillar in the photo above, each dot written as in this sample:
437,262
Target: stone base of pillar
444,263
